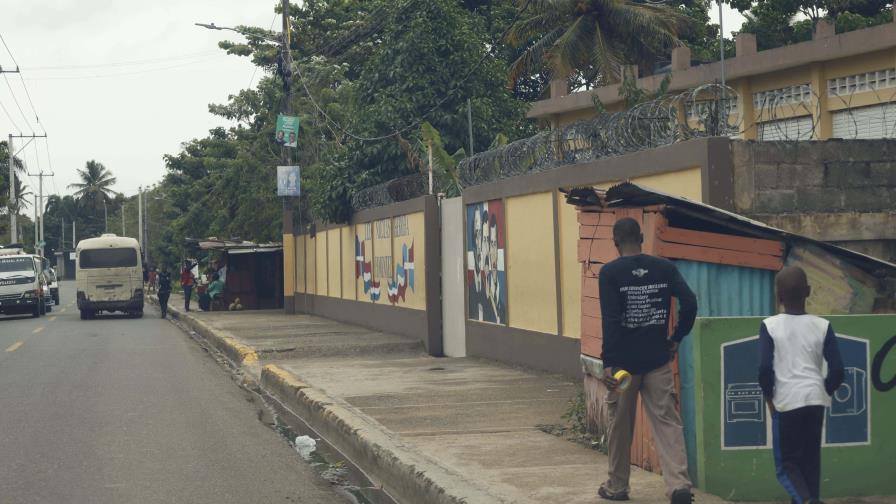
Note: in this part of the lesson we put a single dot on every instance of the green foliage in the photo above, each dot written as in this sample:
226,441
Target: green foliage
774,21
593,39
577,413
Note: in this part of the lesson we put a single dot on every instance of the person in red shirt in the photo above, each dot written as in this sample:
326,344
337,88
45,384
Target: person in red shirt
187,280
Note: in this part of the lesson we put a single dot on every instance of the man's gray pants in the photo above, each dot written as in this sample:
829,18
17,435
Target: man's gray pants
657,389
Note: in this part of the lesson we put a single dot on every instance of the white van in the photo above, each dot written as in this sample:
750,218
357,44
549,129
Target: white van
22,286
109,276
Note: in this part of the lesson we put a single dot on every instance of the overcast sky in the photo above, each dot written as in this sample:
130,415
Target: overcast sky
124,82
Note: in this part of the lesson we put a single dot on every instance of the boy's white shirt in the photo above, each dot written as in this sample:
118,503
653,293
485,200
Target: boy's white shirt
798,360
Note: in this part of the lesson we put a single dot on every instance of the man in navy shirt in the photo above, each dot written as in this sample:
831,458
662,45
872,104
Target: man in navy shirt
635,301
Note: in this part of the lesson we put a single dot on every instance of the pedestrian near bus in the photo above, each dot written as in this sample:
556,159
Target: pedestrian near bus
187,281
635,301
793,347
164,280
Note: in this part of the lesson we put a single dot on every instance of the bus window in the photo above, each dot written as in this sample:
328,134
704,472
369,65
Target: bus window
108,258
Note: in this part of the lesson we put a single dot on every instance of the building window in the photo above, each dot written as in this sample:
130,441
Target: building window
791,95
859,83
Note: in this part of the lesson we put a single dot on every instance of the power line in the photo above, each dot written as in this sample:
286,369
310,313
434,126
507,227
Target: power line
124,63
126,74
426,114
16,126
256,66
16,101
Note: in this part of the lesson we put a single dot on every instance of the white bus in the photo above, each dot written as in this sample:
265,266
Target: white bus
109,275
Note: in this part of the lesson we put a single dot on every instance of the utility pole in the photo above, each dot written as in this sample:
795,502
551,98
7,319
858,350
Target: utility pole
122,220
13,201
140,216
40,197
35,226
62,235
74,234
470,125
286,76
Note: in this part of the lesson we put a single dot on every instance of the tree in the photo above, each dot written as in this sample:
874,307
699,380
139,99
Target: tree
776,23
592,39
95,187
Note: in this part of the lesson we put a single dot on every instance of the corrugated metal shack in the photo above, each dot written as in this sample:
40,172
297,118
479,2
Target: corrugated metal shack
729,261
253,272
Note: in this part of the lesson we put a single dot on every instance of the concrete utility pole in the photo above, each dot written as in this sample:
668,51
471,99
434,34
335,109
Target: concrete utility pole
40,197
122,220
140,216
61,235
74,234
13,201
286,75
35,225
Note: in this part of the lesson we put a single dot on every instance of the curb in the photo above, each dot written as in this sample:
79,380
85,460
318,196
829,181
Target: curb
237,352
404,473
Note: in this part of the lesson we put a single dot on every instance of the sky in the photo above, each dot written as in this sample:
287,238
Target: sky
124,82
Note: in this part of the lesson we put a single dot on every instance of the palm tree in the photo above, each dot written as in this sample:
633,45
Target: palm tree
94,190
592,37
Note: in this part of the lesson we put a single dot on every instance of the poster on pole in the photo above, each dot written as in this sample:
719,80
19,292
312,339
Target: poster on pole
287,130
288,181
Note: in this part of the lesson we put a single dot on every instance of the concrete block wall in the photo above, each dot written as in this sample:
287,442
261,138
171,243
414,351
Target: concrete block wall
834,190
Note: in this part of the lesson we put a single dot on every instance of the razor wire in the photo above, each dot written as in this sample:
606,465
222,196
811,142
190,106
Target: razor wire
789,114
707,110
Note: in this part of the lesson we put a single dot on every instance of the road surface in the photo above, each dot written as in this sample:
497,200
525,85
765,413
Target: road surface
122,410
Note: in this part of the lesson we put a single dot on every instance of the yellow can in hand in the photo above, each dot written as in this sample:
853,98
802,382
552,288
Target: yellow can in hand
624,378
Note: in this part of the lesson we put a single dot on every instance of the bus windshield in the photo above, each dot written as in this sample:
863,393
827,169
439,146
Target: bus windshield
108,258
10,264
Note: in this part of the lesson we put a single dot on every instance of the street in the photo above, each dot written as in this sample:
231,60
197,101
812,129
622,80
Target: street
126,410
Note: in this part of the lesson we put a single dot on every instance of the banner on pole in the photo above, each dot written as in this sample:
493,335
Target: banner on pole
287,130
289,181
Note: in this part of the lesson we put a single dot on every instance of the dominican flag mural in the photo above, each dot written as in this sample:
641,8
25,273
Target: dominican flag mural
364,270
486,276
404,275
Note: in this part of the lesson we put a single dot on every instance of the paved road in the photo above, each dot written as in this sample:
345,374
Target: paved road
119,410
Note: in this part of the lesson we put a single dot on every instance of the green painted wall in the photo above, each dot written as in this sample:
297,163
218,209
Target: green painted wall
749,473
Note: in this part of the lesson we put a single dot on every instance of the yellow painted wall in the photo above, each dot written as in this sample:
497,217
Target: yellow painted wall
531,286
310,264
365,234
570,270
347,256
334,265
862,63
408,230
289,265
299,261
320,261
686,183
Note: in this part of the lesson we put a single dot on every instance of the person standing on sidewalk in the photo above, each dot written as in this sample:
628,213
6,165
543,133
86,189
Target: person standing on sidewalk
635,301
164,280
792,348
187,280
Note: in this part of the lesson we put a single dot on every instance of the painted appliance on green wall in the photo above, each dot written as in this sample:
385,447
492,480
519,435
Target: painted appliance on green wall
734,430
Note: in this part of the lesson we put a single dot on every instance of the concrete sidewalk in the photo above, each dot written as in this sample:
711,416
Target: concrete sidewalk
430,430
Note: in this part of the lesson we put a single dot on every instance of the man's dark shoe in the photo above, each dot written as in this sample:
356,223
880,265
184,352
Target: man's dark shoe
682,496
613,496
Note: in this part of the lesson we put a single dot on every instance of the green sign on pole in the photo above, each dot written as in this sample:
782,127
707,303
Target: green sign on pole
287,130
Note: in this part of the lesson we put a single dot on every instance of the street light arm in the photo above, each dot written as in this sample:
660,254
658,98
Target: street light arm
213,26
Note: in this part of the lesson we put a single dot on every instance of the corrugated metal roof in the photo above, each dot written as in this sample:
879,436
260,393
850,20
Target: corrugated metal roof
629,194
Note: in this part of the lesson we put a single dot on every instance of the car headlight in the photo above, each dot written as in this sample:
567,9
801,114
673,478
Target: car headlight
32,293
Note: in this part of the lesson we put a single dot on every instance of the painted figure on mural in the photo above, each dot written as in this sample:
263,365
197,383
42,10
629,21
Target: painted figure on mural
486,284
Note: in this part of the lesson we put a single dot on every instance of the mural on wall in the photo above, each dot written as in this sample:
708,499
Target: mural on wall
486,276
744,420
404,268
379,269
364,265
